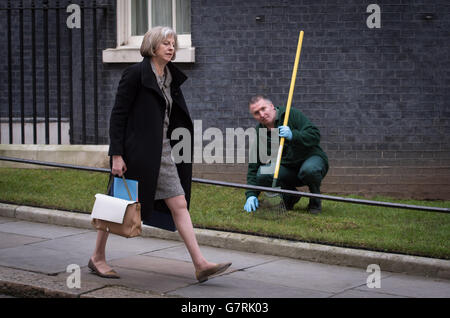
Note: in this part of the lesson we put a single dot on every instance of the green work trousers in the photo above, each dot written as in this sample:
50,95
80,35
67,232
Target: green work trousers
310,173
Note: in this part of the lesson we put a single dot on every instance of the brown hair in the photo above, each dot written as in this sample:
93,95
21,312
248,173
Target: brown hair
154,37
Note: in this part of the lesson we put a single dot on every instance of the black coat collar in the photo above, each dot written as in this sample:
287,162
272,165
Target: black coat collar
148,78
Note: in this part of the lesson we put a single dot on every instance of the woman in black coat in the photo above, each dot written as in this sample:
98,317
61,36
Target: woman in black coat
149,106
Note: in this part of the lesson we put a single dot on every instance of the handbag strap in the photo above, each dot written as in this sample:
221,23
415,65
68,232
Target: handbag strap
111,179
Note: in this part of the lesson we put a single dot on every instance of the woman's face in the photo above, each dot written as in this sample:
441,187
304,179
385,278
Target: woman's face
166,49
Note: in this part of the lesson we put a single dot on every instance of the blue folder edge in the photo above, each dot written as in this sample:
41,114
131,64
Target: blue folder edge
158,219
119,190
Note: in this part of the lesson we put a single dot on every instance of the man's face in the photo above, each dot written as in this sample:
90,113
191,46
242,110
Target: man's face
264,112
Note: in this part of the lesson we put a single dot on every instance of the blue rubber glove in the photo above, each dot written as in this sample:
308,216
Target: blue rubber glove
252,204
285,131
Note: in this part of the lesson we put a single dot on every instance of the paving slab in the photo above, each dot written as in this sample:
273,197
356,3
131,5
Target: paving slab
54,255
38,259
148,281
355,293
30,284
157,265
119,292
116,247
217,255
137,245
233,286
12,240
24,283
412,286
164,266
42,230
4,219
297,274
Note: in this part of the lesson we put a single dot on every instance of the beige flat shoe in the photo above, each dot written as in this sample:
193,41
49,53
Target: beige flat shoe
94,269
202,276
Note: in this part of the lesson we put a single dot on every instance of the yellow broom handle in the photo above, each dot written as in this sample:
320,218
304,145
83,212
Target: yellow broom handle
289,102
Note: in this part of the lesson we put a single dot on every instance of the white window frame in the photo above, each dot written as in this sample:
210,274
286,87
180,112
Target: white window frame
127,49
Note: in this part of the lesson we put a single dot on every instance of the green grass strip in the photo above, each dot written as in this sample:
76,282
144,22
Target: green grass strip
340,224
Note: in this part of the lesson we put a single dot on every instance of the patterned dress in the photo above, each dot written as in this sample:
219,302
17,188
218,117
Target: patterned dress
168,180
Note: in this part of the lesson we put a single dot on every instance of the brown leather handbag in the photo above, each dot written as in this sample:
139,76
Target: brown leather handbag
117,216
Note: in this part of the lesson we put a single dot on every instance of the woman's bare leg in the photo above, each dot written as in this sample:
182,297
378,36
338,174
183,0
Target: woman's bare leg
182,219
99,256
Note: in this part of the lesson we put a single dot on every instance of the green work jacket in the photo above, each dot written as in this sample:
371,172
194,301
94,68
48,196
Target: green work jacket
305,143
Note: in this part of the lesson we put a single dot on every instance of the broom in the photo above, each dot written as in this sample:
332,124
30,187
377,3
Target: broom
275,200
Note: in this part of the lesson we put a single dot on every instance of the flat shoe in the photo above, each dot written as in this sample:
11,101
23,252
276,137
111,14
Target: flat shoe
202,276
94,269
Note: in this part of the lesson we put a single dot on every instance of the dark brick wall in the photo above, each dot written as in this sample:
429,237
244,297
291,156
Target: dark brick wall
379,96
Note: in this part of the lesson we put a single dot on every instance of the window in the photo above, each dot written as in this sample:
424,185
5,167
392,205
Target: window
135,17
174,13
146,14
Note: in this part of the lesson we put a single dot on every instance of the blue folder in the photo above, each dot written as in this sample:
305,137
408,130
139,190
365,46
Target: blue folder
159,219
119,190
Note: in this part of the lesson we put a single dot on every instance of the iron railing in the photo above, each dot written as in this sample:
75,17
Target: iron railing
52,20
251,187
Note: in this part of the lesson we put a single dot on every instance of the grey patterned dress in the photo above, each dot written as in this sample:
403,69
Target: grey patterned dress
168,180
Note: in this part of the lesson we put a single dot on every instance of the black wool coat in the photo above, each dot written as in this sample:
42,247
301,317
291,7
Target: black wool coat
136,128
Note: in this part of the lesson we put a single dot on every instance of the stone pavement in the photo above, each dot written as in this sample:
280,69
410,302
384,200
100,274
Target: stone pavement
34,259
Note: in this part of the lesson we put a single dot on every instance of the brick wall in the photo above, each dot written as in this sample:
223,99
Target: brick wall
379,96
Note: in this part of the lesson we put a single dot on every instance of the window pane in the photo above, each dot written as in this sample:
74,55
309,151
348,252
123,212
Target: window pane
183,16
161,13
139,14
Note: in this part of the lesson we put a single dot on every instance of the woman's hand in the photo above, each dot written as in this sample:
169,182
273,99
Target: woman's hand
118,166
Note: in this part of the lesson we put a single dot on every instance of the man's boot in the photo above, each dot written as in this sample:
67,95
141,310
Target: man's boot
290,200
315,206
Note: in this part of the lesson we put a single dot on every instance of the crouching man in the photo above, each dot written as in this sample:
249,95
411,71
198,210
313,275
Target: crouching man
303,162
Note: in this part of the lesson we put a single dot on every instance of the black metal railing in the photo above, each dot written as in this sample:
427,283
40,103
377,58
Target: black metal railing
251,187
40,72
